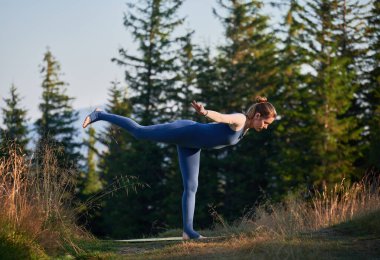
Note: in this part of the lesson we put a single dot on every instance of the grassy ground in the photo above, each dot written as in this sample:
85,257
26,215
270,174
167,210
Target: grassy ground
37,221
358,238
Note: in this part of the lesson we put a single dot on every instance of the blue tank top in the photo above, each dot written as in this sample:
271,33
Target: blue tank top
219,135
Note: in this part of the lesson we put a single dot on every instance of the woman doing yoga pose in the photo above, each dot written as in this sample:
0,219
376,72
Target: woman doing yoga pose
191,137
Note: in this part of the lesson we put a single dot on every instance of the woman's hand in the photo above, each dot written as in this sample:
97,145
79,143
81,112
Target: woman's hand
199,108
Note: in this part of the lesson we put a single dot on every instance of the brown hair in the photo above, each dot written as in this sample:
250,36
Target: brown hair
263,107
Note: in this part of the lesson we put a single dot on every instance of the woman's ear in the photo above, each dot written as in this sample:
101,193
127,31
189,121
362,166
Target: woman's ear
257,115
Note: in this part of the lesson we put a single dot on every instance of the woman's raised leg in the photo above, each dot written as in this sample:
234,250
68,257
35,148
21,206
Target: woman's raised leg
180,132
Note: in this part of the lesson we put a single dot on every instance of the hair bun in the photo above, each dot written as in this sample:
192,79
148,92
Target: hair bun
261,99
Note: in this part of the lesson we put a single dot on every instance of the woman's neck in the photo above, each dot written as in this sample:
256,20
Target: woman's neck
247,124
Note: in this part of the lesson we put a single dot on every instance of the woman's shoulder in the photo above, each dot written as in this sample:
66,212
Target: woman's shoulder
236,121
239,114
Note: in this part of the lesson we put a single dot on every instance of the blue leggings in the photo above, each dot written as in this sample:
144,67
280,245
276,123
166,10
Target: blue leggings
189,136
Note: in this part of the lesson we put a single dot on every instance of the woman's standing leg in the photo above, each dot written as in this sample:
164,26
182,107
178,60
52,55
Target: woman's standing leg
189,160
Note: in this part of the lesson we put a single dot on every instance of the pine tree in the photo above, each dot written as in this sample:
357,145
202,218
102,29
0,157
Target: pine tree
126,212
56,125
372,86
247,65
151,76
248,59
15,124
113,167
331,47
351,16
293,161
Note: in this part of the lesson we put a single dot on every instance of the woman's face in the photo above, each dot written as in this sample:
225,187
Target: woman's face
259,123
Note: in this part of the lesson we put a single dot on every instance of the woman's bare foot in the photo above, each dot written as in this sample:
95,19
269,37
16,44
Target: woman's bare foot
87,120
186,237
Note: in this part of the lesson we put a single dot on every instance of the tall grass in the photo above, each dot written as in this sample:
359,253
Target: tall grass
38,206
36,200
320,209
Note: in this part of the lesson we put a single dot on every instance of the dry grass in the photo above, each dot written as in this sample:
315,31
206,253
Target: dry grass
290,229
35,200
38,208
343,202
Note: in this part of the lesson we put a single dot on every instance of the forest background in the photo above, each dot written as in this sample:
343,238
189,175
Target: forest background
319,66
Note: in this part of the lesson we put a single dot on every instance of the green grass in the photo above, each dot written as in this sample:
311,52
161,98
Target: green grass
17,246
368,225
358,238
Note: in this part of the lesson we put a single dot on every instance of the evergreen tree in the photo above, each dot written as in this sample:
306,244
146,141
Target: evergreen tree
15,124
293,161
121,215
55,127
151,76
113,167
247,65
372,86
330,45
247,60
351,38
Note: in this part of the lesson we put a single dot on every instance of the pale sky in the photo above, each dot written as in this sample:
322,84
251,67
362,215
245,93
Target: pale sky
83,35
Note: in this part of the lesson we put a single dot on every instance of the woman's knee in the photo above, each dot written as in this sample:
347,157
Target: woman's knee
138,133
191,187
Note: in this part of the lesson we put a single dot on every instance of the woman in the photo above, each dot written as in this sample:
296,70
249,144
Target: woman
190,137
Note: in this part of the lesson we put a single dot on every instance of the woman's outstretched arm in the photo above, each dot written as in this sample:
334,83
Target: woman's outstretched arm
232,119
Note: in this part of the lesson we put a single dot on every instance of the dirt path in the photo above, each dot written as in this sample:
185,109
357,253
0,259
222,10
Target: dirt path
140,248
